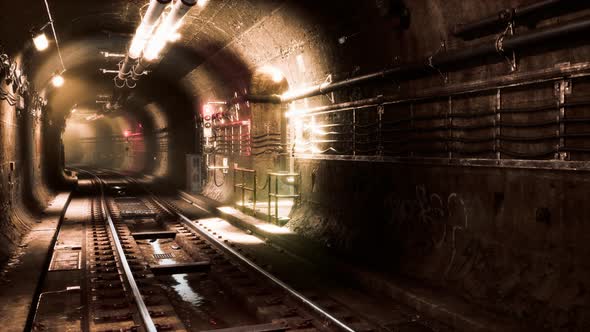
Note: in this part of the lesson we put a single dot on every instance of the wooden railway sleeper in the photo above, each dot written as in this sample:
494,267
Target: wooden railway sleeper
114,318
134,328
114,306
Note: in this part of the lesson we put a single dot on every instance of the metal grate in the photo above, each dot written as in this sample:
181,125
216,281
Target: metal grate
163,256
65,260
132,207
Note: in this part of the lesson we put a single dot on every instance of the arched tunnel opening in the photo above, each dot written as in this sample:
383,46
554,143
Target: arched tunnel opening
278,165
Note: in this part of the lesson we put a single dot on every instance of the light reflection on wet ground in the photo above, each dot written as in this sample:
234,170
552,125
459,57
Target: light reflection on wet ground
186,292
198,300
182,288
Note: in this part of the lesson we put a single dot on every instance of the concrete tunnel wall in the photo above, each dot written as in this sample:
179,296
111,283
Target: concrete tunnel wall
24,189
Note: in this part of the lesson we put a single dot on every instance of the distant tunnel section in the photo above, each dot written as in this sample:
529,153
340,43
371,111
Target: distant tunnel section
126,141
110,142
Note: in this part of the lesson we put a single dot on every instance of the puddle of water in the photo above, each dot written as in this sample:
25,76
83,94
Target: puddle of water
183,288
185,291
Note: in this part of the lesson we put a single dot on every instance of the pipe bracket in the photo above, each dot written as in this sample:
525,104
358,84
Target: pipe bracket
511,60
442,48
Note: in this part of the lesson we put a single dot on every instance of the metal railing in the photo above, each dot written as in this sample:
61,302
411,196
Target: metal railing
245,176
292,179
243,186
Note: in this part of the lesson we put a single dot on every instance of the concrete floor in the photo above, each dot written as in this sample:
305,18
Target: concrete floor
21,278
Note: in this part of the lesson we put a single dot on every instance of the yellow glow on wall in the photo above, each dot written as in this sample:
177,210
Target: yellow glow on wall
275,73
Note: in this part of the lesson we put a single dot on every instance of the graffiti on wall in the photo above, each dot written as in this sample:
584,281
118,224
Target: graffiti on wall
431,220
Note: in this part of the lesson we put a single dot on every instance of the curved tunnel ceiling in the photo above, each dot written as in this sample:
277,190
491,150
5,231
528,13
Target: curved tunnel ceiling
217,56
209,41
86,28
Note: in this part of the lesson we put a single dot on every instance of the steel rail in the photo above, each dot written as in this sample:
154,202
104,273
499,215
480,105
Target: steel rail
144,313
189,223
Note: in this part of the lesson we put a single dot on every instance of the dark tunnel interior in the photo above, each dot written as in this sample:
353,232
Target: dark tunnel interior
282,165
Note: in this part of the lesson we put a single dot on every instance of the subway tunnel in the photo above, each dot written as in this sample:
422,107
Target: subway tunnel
281,165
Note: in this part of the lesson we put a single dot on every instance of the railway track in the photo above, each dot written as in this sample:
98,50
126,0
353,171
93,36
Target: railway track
135,241
147,266
121,285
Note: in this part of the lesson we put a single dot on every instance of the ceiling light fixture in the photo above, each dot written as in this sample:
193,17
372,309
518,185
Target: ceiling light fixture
40,38
41,42
58,78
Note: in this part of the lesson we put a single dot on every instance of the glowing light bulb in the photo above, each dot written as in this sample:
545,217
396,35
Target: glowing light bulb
41,42
57,81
